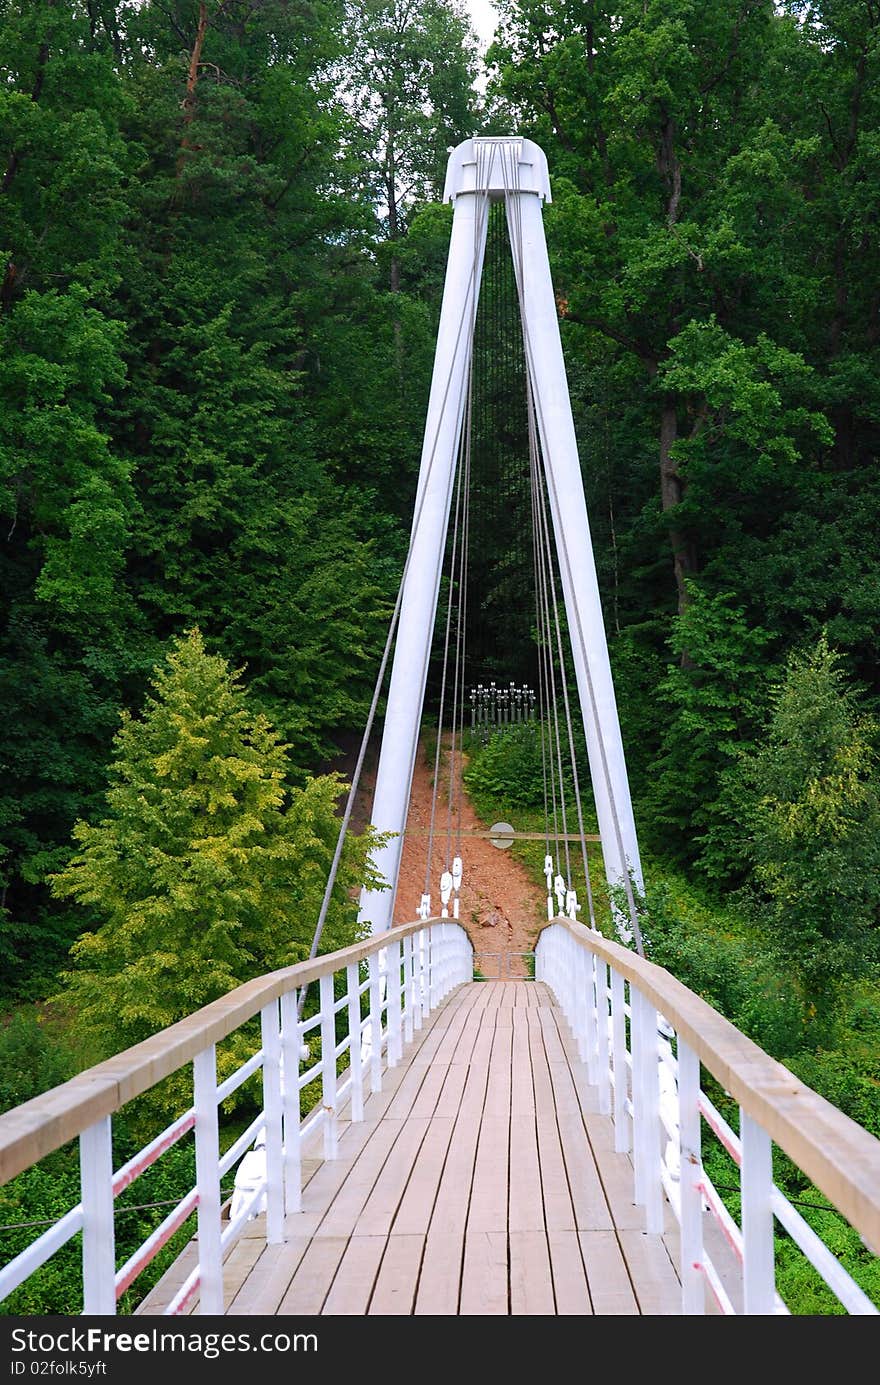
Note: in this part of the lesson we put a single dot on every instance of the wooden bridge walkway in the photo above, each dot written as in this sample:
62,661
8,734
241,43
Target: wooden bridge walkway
483,1180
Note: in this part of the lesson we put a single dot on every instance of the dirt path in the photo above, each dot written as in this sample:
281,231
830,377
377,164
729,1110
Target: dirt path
501,907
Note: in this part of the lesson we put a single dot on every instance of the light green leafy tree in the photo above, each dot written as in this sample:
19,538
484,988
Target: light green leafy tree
206,869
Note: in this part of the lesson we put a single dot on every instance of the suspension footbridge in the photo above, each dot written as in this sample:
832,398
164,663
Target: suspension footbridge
432,1144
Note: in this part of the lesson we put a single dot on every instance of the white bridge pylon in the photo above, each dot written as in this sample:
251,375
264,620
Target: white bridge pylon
481,171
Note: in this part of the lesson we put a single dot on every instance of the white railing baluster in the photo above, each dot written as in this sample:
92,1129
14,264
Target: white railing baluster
589,993
603,1076
271,1036
375,994
291,1043
646,1099
407,991
328,1067
693,1289
353,981
99,1242
418,964
208,1181
756,1184
392,994
622,1120
433,966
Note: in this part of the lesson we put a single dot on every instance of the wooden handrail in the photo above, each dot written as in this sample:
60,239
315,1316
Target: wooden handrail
840,1157
37,1127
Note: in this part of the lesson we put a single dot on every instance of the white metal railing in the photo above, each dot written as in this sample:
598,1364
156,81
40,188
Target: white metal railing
377,992
643,1037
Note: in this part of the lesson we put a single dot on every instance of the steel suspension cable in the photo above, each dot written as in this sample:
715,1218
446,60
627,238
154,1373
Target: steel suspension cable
566,562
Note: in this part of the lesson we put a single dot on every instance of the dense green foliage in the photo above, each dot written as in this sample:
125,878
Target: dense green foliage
205,417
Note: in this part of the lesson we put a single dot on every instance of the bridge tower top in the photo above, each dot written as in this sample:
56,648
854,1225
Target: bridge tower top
498,165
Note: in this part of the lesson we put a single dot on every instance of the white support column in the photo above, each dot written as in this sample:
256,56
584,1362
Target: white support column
572,532
208,1182
415,630
756,1184
98,1243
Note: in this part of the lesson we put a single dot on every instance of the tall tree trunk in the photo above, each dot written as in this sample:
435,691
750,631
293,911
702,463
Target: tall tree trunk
192,82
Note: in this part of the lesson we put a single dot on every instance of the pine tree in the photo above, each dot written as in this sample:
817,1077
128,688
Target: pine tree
206,869
811,797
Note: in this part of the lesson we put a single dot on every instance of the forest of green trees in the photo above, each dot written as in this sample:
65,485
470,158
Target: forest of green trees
222,250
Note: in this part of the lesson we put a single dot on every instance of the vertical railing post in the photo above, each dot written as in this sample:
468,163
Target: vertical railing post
646,1101
690,1163
271,1036
407,990
208,1182
432,967
622,1126
756,1185
328,1066
603,1078
353,981
291,1043
99,1240
375,994
591,1012
392,993
418,964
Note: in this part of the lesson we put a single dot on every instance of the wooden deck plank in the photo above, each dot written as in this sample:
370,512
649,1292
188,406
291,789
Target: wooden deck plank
497,1101
269,1279
489,1191
616,1174
352,1287
570,1287
526,1210
425,1102
313,1277
657,1286
522,1092
484,1277
378,1212
440,1278
417,1204
591,1210
449,1100
558,1207
395,1289
453,1195
531,1282
342,1209
607,1277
